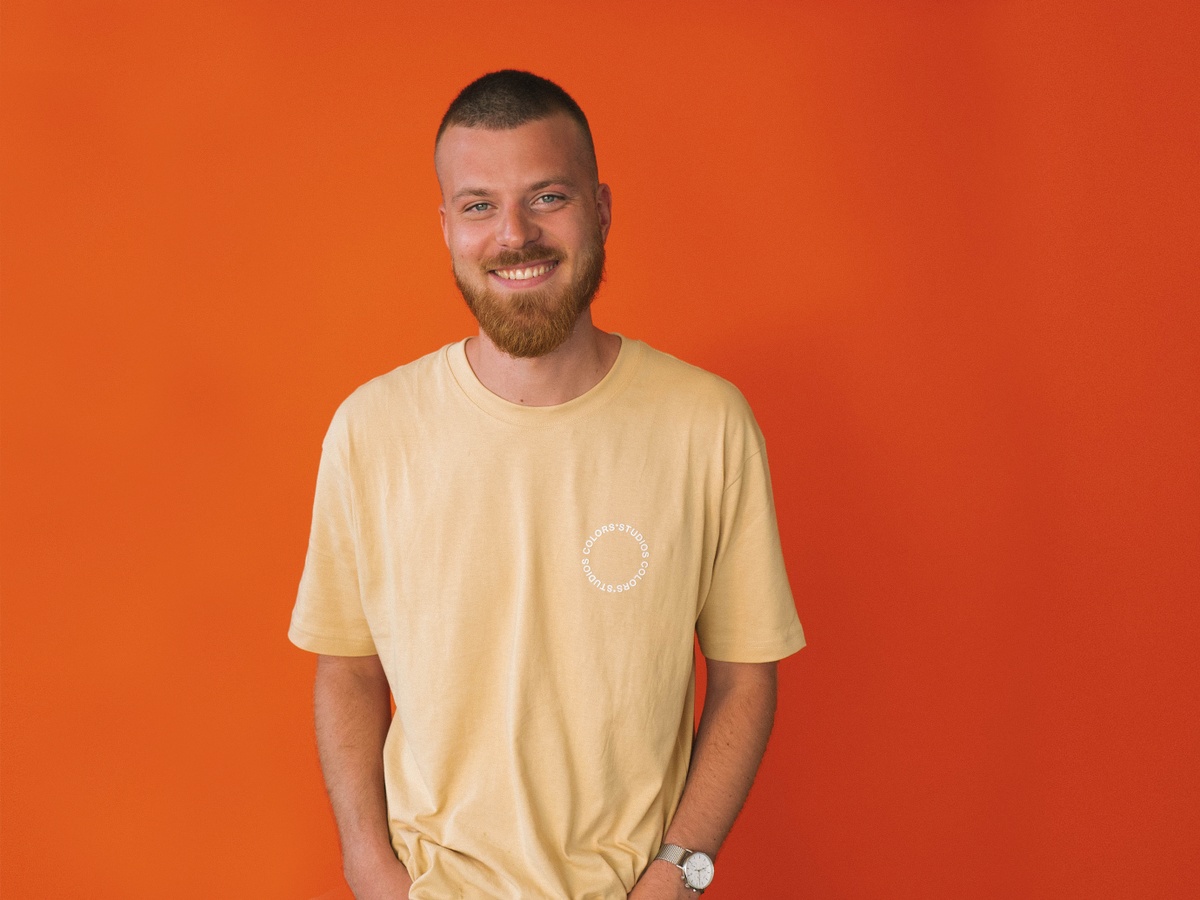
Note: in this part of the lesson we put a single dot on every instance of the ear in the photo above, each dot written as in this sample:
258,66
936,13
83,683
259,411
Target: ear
604,209
442,218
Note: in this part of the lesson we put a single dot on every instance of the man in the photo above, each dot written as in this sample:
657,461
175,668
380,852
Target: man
517,538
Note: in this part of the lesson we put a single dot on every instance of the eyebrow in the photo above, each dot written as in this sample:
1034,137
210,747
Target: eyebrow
469,192
567,183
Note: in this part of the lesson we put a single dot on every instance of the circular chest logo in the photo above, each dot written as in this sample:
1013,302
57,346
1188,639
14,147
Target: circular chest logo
615,558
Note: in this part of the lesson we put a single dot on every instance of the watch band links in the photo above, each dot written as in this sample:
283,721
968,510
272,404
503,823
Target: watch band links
672,853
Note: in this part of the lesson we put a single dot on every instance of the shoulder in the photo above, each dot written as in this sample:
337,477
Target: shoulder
683,383
395,396
681,398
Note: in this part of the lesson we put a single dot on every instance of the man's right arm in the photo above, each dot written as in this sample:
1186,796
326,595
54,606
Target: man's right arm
352,709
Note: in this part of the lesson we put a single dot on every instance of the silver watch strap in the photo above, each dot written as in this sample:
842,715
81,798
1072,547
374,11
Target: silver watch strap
672,853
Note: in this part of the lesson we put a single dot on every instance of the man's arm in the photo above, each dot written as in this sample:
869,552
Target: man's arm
739,709
352,709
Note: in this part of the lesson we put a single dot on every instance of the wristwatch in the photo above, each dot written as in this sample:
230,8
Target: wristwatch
697,867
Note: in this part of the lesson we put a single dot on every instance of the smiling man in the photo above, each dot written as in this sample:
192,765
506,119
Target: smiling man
528,258
517,539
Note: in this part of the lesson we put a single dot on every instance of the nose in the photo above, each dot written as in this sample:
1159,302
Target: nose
516,228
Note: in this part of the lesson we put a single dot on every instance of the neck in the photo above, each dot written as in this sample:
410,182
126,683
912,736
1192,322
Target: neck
567,372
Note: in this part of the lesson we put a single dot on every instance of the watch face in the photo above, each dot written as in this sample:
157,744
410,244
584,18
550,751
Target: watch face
698,870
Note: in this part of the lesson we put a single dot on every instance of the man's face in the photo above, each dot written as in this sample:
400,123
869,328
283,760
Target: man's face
525,223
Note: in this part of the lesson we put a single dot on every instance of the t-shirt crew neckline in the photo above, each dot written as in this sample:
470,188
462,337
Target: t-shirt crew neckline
612,384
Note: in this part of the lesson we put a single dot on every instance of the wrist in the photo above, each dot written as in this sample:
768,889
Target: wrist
693,868
662,881
368,857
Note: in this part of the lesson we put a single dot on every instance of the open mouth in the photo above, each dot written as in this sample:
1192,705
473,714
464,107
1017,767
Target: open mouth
518,274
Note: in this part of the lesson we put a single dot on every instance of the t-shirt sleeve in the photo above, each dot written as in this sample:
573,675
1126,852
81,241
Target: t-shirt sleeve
328,616
749,614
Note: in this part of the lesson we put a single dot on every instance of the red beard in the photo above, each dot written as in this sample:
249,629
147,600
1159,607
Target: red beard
535,322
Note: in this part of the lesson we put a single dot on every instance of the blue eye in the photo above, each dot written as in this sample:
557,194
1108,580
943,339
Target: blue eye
548,198
476,207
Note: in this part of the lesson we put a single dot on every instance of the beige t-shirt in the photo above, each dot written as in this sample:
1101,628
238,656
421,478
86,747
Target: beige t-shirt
532,579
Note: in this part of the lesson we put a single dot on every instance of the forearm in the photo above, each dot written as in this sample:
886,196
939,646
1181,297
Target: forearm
352,710
739,709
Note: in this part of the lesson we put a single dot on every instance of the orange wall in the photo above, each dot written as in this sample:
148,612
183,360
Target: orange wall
948,250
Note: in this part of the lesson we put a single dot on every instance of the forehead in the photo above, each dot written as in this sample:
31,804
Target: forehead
544,149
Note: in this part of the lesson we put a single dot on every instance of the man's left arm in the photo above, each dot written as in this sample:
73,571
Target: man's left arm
739,709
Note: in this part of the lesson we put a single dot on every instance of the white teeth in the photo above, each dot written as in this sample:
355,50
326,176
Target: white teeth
523,274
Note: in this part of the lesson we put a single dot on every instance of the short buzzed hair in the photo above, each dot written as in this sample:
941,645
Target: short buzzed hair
509,98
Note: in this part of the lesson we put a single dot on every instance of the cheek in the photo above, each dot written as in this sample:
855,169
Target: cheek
462,252
468,243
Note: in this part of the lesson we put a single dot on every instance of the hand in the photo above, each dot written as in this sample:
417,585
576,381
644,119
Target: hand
661,881
381,878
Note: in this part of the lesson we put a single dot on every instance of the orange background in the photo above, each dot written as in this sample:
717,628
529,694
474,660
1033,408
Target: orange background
948,250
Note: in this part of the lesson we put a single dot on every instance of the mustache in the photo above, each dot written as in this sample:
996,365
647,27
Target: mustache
533,253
